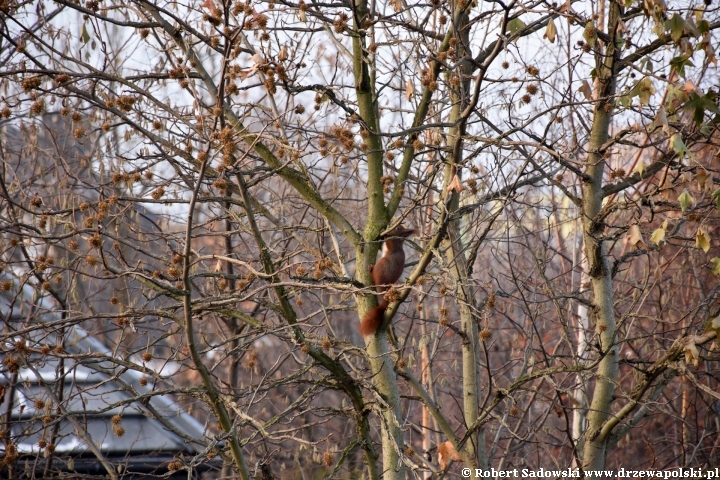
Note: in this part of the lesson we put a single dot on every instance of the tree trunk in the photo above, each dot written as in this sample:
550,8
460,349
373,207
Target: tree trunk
594,451
455,252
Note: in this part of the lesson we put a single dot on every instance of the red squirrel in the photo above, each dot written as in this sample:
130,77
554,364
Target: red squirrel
447,452
384,273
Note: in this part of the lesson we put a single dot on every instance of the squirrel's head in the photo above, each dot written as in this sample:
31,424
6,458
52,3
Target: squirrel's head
399,231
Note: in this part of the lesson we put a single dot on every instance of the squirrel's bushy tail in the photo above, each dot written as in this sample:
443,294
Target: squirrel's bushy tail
372,320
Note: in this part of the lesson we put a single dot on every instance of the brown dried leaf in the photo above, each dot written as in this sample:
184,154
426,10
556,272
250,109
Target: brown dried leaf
456,185
214,10
692,355
260,19
586,90
635,237
409,90
550,31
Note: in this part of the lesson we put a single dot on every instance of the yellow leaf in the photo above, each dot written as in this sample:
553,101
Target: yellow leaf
645,91
686,200
640,168
702,240
715,266
658,236
698,13
515,25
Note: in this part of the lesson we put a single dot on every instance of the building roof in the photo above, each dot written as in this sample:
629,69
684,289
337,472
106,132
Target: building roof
95,389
